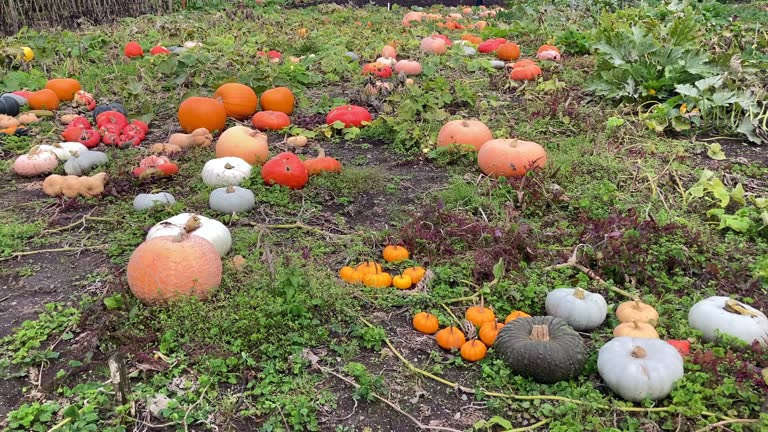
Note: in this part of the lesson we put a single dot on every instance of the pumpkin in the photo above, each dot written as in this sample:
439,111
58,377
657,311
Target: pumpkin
44,99
349,115
240,101
159,50
245,143
270,120
84,99
37,161
508,51
395,254
155,166
388,51
491,45
149,200
433,45
510,157
109,107
9,106
474,40
718,315
350,275
64,150
199,137
408,67
581,309
525,70
133,49
543,348
473,350
297,141
28,118
637,311
322,163
285,169
82,162
72,186
548,52
225,171
639,369
415,273
380,70
231,199
368,267
489,331
402,282
211,230
167,149
201,112
636,329
169,267
426,323
278,99
682,346
7,121
411,17
450,338
515,315
377,280
479,315
65,88
472,133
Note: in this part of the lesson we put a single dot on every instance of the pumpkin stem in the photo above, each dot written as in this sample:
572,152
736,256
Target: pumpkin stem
321,153
639,352
482,303
540,333
228,166
638,305
579,293
230,189
637,325
192,224
735,307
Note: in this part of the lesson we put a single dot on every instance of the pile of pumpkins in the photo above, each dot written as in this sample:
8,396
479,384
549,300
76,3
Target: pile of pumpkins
370,273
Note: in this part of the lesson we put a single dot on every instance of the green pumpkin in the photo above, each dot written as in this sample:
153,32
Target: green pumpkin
544,348
114,106
9,106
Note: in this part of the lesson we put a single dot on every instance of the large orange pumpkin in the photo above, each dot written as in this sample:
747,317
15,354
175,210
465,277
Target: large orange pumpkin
243,142
510,157
45,99
508,51
278,99
65,88
168,267
239,100
202,112
270,120
464,132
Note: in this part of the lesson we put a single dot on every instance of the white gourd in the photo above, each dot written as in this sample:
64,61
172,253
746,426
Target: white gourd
231,199
723,315
64,150
82,162
225,171
210,229
147,201
581,309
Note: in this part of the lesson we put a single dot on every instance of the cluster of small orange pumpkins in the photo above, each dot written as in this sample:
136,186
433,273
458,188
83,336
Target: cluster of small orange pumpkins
451,337
370,273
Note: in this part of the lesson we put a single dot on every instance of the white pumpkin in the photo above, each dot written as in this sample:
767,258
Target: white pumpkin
469,51
724,315
147,201
64,150
231,199
498,64
581,309
225,171
82,162
639,368
38,161
389,61
210,229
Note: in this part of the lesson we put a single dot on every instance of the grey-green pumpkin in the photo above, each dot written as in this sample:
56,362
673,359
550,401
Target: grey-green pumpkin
147,201
544,348
231,199
82,162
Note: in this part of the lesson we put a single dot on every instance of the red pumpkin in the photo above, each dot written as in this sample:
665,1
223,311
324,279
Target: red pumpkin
157,50
89,138
270,120
378,69
111,117
133,49
350,115
448,41
285,169
491,45
322,163
682,346
525,70
80,121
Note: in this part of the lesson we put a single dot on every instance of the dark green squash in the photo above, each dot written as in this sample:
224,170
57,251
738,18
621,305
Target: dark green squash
9,106
544,348
114,106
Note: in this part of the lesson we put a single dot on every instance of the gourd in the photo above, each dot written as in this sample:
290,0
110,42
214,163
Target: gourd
471,133
20,99
37,161
82,162
718,315
498,64
240,101
64,150
28,118
165,148
199,137
225,171
637,311
7,121
278,99
425,322
543,348
249,145
210,229
548,52
147,201
201,112
510,157
581,309
72,186
231,199
168,267
639,369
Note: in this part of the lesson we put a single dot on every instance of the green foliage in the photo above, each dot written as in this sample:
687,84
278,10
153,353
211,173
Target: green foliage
13,235
23,344
32,417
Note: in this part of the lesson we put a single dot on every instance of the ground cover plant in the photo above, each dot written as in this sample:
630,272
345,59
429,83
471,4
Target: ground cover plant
287,216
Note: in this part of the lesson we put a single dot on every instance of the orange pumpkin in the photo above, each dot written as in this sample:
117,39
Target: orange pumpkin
278,99
45,99
65,88
515,315
168,267
479,315
322,163
450,338
508,51
240,101
350,275
425,322
402,282
415,273
525,70
474,40
489,331
270,120
249,145
377,280
510,157
548,52
464,132
368,267
433,45
473,350
395,254
202,112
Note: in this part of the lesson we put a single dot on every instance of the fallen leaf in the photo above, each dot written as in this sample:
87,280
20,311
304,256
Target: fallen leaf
238,262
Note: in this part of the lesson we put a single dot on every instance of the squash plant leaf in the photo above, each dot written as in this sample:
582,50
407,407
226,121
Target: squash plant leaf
715,151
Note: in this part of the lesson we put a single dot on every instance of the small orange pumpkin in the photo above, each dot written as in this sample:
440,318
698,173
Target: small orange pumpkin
202,112
45,99
377,280
510,157
350,275
395,254
450,338
489,331
415,273
425,322
479,315
270,120
278,99
322,163
65,88
515,315
368,267
239,100
525,70
508,51
474,40
402,282
473,350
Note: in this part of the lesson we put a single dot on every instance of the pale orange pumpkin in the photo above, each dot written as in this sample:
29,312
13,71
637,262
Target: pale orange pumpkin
202,112
249,145
433,45
510,157
45,99
278,99
389,51
516,314
415,273
65,88
474,40
464,132
239,100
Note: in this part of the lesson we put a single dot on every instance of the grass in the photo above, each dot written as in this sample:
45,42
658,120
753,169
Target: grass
266,351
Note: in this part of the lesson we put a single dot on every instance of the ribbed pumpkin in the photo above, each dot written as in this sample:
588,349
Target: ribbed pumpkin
464,132
508,51
474,40
168,267
240,101
278,99
202,112
45,99
270,120
510,157
65,88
